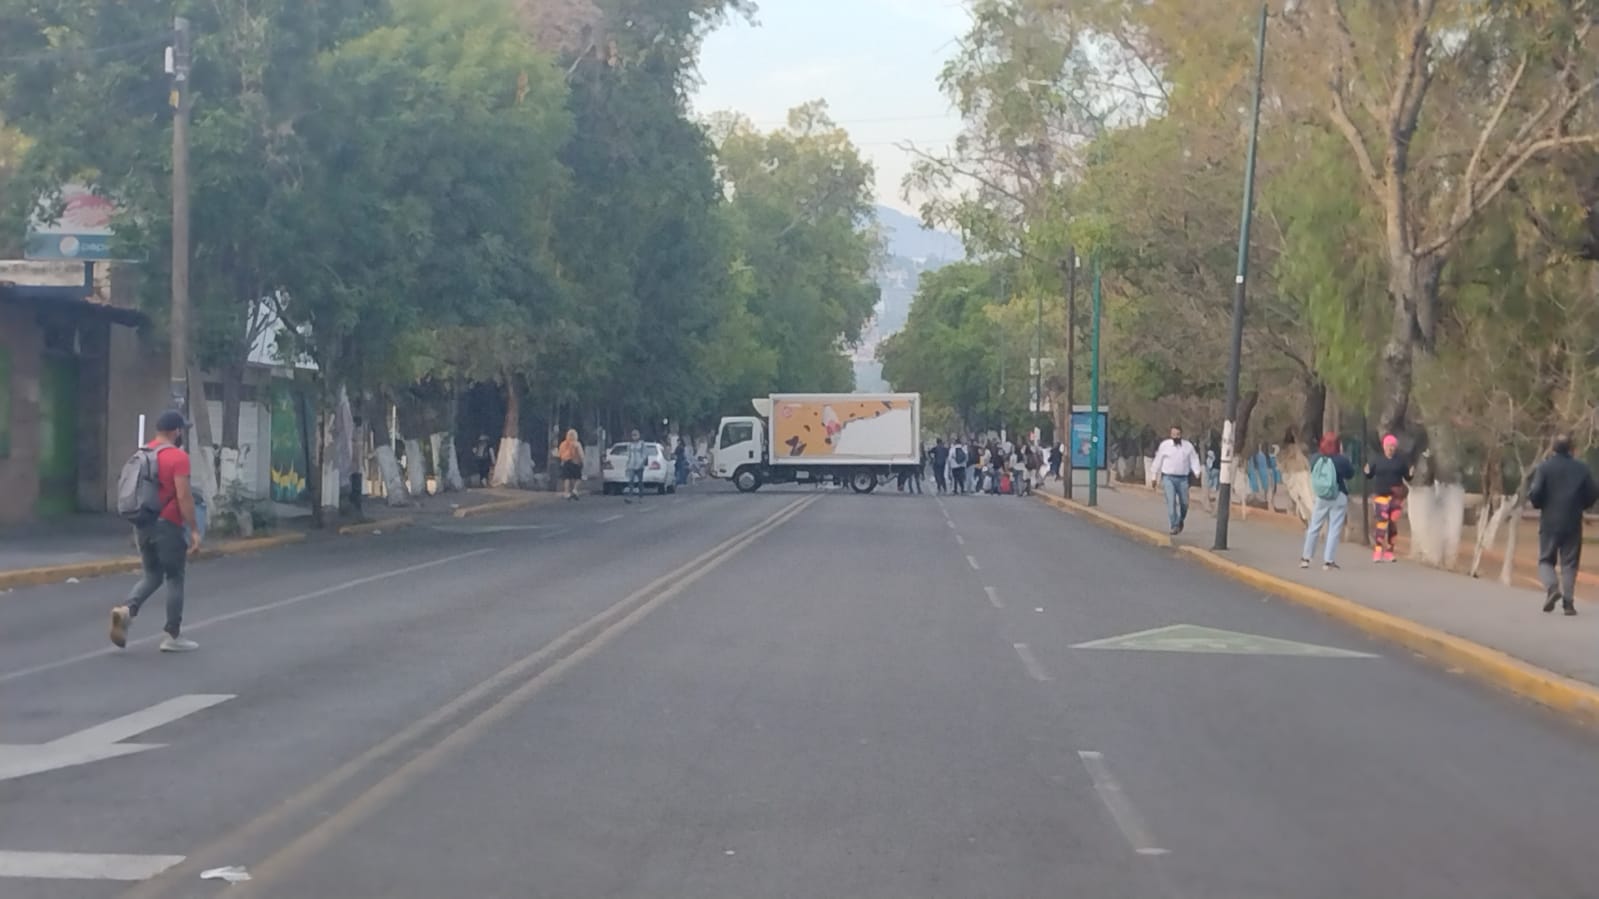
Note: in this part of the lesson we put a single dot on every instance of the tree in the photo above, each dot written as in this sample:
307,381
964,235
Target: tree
801,210
950,349
1440,123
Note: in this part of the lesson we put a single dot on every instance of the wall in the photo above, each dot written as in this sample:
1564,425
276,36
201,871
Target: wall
20,339
136,385
94,384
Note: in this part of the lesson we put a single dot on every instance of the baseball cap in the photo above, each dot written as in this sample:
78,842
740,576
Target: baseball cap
170,420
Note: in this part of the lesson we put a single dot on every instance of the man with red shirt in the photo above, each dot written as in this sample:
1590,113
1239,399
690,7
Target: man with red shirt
162,546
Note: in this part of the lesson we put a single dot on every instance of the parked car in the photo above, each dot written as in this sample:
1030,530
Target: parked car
657,474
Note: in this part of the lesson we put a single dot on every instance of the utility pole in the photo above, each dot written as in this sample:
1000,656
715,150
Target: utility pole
1224,496
179,56
1093,398
1004,299
1038,357
1068,471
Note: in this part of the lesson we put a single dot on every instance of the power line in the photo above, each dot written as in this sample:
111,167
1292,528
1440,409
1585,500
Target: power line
63,53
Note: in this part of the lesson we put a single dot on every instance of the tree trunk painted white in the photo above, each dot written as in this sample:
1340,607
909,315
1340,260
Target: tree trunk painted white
1296,481
504,474
1437,517
526,476
451,478
1507,507
436,446
415,468
332,484
1507,569
334,475
389,467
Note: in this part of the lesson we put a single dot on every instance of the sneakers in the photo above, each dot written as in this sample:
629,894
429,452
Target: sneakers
1376,555
1571,610
1389,556
1304,563
121,618
1548,604
178,644
1329,566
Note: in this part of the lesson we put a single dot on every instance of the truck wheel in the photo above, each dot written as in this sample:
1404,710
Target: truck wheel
863,482
747,481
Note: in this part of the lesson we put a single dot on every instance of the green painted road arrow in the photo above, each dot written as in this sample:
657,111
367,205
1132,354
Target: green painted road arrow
1193,638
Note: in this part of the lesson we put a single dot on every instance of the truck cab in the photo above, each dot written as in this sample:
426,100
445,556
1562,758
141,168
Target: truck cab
740,452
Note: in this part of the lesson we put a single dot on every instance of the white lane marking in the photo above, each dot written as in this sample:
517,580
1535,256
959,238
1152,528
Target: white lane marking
961,540
135,723
83,865
242,613
1034,669
612,518
1120,807
973,562
993,597
951,525
102,741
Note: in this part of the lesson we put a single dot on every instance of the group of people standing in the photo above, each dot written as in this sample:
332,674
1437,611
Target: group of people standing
995,467
1562,489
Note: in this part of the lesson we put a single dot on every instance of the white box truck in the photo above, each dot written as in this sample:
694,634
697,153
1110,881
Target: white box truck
806,438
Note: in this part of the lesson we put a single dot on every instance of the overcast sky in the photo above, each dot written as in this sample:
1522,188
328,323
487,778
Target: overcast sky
875,62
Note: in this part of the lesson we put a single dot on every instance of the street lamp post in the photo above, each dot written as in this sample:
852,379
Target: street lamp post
1235,360
1068,468
1093,396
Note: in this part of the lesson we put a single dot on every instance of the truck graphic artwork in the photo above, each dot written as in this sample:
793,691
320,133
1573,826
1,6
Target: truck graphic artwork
849,428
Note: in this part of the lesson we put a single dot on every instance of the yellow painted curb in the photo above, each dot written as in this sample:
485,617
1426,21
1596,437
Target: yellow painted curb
1127,528
52,574
504,505
371,527
1558,692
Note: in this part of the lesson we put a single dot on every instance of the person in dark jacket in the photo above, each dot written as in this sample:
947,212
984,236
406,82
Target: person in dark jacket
1330,511
1562,489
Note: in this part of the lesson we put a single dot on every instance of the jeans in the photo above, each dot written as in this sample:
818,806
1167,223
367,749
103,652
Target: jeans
1566,550
164,555
635,482
1329,512
1176,487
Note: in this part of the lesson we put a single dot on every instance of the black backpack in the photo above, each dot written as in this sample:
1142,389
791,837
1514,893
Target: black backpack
139,487
960,456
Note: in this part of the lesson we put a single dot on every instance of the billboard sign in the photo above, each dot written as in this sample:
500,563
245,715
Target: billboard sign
82,232
1082,437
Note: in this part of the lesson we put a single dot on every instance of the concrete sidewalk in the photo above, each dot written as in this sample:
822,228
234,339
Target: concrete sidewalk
1485,613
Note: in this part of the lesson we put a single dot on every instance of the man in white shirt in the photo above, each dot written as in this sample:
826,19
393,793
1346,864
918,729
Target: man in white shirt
1175,460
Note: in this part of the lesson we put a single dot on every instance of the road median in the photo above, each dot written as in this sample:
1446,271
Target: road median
1483,663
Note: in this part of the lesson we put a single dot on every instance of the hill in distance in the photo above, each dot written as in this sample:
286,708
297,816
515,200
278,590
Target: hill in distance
907,238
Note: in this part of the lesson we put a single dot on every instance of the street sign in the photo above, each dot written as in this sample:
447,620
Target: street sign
1193,638
103,741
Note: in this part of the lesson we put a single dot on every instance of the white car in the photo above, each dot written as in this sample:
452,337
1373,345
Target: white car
658,474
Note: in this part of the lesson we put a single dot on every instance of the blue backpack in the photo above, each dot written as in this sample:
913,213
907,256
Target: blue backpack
1324,478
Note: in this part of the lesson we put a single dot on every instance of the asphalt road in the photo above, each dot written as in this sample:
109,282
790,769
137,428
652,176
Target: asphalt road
792,694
